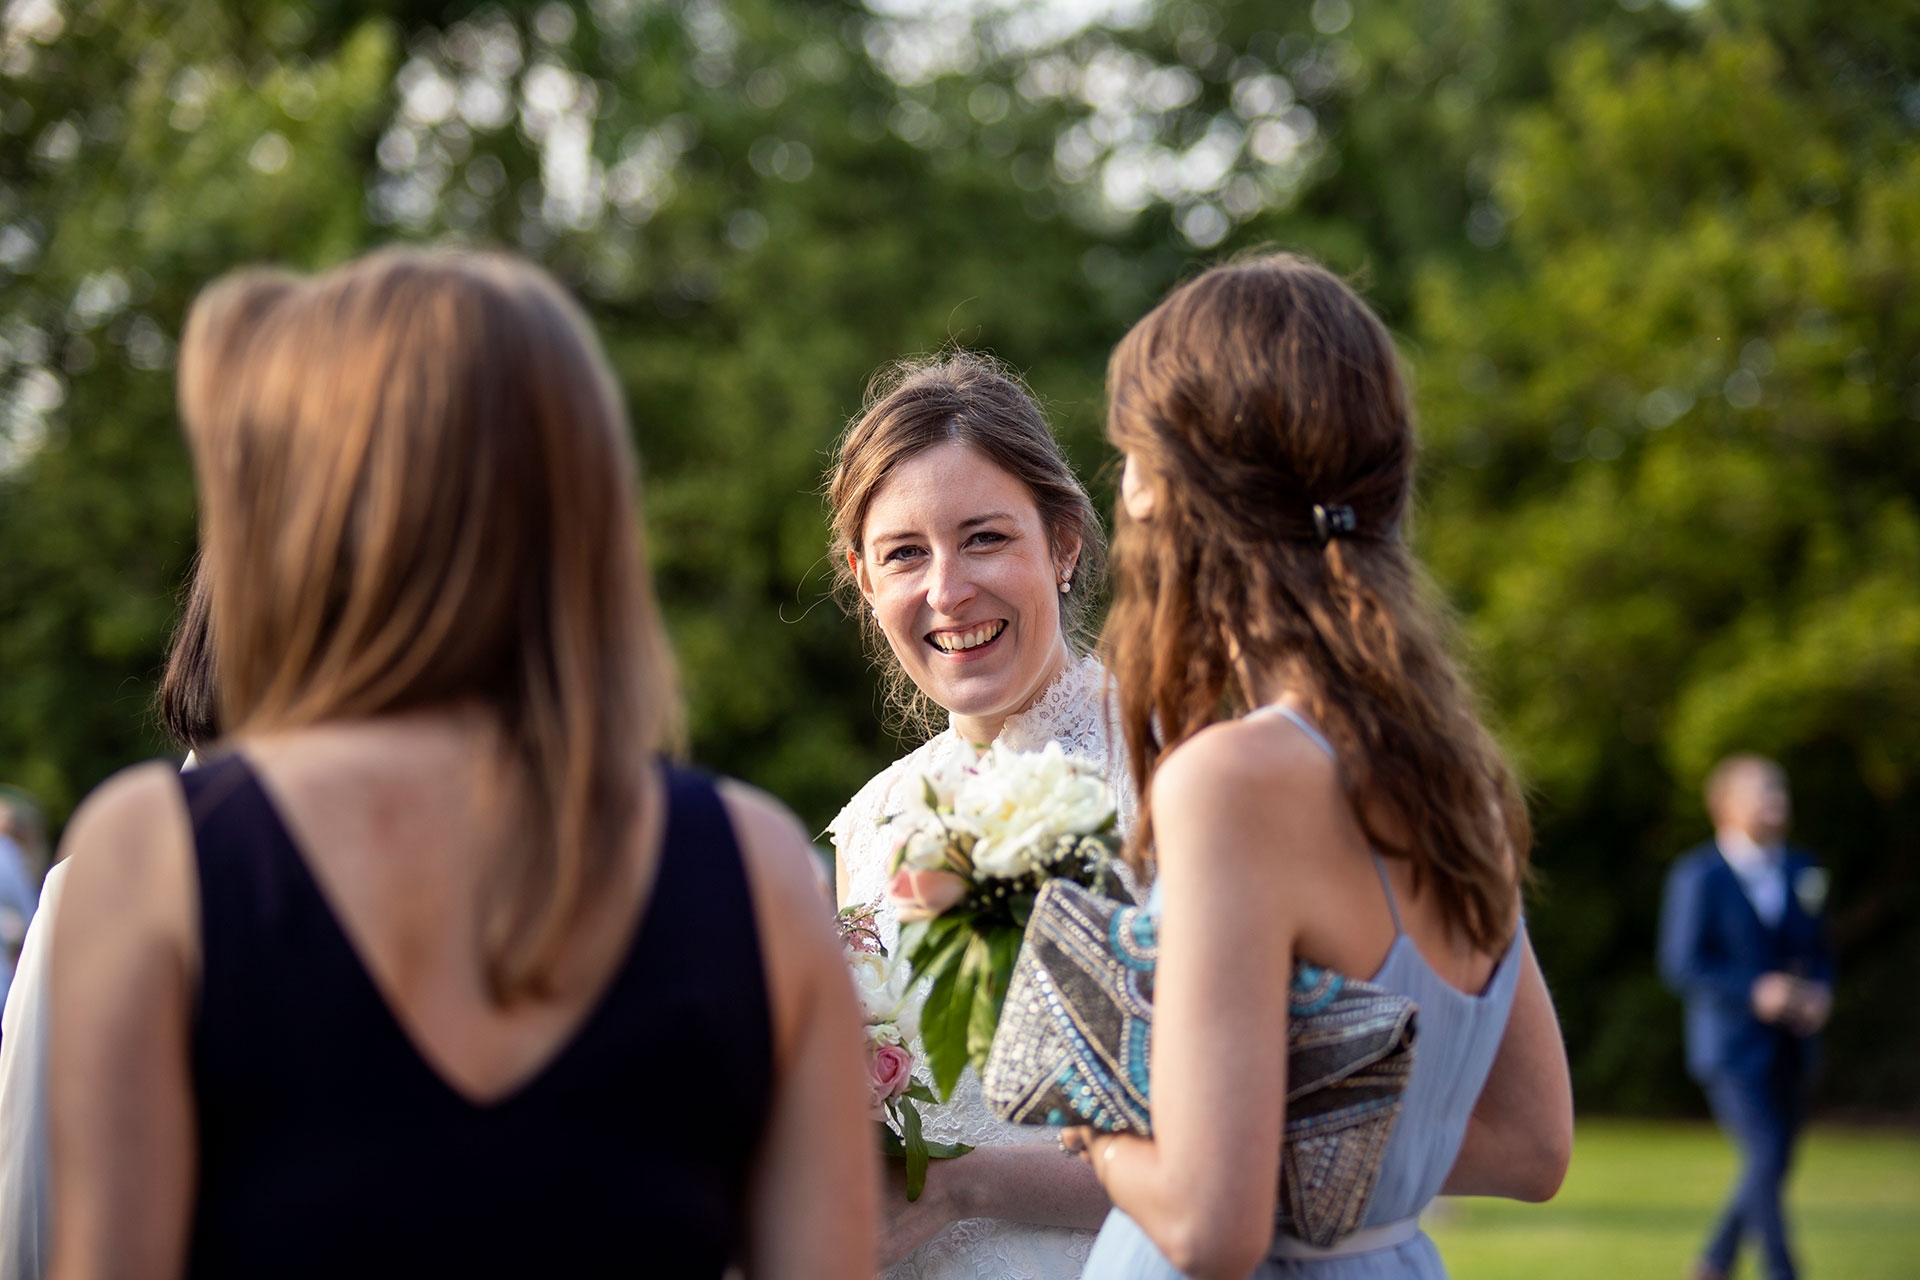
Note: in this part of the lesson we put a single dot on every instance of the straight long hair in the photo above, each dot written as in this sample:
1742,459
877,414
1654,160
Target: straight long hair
417,489
1251,395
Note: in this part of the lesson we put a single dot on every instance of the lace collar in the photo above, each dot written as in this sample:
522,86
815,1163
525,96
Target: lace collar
1064,712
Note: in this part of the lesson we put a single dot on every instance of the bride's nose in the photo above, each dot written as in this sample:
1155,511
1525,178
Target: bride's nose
950,585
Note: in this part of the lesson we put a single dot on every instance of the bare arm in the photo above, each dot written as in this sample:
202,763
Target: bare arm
123,969
1204,1188
1519,1138
811,1210
1036,1185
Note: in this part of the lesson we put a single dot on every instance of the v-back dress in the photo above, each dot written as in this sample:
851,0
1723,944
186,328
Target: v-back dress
1459,1036
329,1146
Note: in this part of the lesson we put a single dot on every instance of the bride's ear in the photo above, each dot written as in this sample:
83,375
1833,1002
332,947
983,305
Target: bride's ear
1066,560
858,568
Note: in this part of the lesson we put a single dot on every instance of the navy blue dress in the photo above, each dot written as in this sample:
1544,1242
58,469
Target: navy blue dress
329,1147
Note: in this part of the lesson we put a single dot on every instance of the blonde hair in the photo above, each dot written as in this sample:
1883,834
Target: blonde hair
417,488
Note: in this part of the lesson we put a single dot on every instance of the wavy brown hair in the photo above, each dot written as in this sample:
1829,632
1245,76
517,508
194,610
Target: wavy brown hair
417,488
1253,394
914,405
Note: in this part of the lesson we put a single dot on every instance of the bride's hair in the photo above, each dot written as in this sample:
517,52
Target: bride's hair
1262,404
913,405
417,488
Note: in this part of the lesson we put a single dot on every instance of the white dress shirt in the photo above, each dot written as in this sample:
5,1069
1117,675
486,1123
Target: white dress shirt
1762,872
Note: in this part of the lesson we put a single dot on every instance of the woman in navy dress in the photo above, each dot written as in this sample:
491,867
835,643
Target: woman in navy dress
1318,789
435,967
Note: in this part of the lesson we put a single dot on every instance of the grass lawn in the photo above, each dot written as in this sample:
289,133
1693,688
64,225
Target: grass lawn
1641,1196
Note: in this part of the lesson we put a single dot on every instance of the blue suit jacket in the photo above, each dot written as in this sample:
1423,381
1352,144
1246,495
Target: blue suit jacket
1713,946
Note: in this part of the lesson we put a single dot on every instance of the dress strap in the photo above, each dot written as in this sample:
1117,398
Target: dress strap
1386,887
1300,722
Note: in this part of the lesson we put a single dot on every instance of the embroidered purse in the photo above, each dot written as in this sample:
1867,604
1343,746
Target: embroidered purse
1072,1048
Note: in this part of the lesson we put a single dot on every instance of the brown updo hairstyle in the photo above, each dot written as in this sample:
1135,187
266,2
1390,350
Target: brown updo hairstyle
916,404
1256,401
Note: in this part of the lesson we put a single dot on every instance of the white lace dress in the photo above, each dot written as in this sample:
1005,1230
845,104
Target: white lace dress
1073,712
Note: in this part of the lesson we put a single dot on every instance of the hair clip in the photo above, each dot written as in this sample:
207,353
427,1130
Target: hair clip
1333,522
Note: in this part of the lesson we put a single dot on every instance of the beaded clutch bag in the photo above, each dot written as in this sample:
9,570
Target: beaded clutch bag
1072,1048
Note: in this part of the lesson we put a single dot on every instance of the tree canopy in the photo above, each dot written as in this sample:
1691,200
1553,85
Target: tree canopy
1653,270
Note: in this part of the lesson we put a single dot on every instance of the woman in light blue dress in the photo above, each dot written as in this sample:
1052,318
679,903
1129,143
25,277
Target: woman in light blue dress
1319,790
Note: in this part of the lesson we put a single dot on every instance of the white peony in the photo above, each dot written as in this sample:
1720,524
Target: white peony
889,1004
1020,805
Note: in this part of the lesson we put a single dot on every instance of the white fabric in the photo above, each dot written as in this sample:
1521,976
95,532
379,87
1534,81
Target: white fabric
1762,873
1075,712
24,1221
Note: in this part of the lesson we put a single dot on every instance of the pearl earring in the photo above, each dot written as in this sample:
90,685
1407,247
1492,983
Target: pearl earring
1066,585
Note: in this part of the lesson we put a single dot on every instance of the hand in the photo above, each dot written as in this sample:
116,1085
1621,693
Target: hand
1810,1007
1095,1148
906,1224
1773,996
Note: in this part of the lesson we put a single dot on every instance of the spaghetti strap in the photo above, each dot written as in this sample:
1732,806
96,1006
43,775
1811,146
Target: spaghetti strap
1386,887
1300,722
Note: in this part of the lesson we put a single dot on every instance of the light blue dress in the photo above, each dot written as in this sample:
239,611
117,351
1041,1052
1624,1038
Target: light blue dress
1458,1037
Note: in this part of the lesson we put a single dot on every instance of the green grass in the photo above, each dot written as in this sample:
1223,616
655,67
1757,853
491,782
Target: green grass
1640,1198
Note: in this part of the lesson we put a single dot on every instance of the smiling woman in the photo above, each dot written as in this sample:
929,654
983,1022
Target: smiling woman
951,500
969,550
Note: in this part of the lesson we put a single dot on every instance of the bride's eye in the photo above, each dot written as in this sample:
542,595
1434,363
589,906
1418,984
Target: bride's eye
901,554
988,537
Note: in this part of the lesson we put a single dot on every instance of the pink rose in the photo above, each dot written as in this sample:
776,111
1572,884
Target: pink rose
922,895
889,1072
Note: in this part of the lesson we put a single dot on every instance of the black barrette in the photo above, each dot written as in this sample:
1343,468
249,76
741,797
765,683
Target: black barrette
1334,522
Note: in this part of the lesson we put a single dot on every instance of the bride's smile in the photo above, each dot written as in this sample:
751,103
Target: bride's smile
963,579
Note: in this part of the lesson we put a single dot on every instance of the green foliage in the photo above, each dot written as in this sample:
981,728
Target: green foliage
1655,272
1675,489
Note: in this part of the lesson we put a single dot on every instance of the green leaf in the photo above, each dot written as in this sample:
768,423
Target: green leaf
982,1012
916,1145
943,1026
1021,904
947,1150
920,1093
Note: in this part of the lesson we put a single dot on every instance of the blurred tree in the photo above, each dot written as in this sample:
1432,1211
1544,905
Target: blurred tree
1676,490
1558,202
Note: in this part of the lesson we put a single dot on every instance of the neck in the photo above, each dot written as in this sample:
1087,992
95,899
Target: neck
982,730
1265,684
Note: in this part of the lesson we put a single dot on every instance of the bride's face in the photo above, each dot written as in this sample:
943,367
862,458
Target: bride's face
956,565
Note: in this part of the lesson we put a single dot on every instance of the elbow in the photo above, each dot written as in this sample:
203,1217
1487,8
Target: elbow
1544,1169
1203,1250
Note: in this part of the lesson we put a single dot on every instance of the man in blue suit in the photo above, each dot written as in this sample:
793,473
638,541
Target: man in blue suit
1743,940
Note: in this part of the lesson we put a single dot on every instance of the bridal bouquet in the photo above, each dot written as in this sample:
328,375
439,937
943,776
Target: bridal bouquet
969,859
891,1012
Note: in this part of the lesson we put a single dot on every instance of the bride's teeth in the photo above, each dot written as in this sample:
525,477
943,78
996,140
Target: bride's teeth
951,643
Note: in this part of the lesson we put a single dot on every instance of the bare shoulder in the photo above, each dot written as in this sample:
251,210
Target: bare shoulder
129,847
126,816
779,858
1245,762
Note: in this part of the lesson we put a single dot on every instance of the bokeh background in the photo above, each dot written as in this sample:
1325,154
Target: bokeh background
1654,267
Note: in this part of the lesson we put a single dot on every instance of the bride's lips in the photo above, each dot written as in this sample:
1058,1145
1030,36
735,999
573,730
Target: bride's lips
986,637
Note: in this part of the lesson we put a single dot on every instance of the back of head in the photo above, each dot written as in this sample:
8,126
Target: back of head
1263,404
417,489
973,399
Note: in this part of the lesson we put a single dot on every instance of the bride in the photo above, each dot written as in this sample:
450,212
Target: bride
974,550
